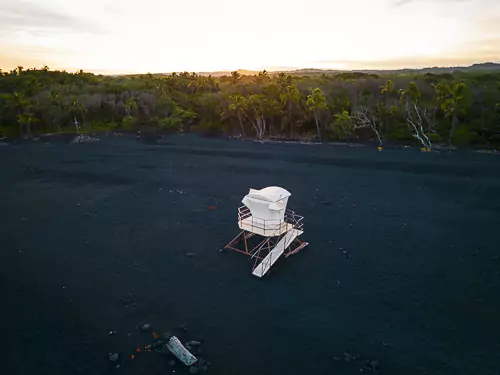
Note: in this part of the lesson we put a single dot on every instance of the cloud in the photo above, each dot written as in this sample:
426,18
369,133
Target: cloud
27,16
400,3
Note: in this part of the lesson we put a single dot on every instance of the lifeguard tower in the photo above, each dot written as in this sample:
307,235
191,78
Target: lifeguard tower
268,228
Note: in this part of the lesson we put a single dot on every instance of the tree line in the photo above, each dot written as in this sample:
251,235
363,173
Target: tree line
460,108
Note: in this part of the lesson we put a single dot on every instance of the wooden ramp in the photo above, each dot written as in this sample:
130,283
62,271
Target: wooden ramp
275,253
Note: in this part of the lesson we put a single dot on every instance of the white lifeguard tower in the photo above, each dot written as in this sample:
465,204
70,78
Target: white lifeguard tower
268,228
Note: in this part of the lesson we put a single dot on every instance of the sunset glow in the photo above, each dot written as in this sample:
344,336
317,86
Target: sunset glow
198,35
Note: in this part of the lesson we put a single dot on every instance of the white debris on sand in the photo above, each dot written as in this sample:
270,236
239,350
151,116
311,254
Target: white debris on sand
82,138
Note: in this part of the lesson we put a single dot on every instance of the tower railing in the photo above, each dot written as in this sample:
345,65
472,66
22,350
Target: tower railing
270,227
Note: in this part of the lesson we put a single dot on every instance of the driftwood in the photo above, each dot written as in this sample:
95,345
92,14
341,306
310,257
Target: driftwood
179,351
366,119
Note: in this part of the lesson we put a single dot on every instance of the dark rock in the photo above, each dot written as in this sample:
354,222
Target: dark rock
145,327
202,361
204,368
190,255
114,357
171,362
84,139
193,370
193,343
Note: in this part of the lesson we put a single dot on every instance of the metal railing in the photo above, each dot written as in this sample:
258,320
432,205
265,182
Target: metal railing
270,226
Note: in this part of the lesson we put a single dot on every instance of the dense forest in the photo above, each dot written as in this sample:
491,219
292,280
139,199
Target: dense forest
459,108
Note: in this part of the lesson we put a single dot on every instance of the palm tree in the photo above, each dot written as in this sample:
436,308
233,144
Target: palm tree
316,103
235,77
26,120
440,92
410,94
289,98
258,102
261,78
386,90
58,107
453,103
273,110
194,84
237,104
80,108
284,80
211,83
24,108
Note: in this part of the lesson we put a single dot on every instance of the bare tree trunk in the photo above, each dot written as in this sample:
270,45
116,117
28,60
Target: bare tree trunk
75,121
343,131
317,126
378,135
241,125
263,118
365,122
256,127
417,125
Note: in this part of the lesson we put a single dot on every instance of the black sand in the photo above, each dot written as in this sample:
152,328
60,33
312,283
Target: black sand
403,266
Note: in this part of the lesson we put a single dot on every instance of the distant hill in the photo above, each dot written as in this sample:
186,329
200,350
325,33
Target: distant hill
228,73
312,71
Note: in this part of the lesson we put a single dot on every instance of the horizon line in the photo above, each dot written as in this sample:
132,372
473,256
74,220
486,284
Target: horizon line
271,69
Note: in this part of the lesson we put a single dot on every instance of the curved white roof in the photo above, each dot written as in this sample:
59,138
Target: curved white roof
269,194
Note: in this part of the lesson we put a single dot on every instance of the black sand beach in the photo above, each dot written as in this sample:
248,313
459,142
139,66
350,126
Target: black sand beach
402,274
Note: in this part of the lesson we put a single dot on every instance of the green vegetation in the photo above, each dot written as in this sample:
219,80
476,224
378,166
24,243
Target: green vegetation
460,108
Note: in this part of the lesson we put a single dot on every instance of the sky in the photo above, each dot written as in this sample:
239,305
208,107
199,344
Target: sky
140,36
